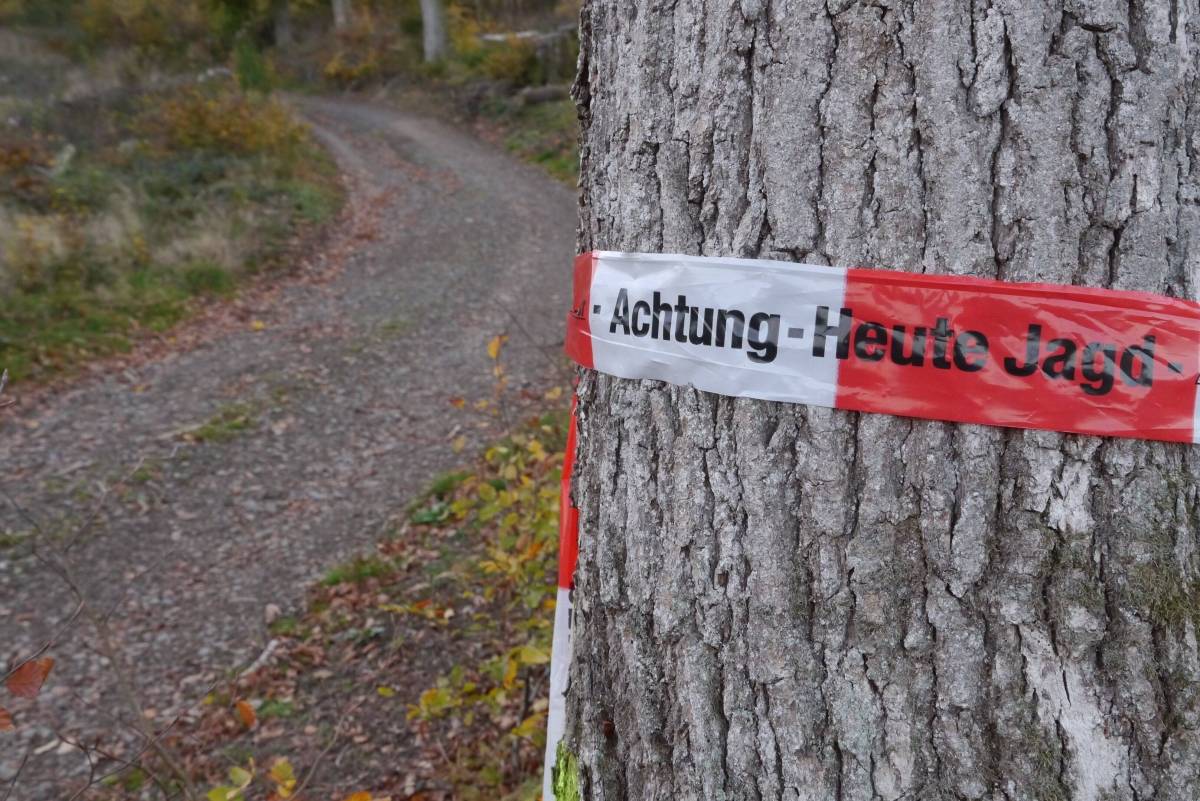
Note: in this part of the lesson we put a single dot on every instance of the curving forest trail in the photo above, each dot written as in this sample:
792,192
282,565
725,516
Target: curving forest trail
279,447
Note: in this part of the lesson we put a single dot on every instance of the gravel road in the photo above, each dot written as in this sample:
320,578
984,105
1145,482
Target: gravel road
331,413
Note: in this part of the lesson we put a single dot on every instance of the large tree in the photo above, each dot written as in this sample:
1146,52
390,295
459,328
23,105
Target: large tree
782,602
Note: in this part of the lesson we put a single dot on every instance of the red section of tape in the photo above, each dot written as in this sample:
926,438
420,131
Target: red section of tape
568,515
1063,358
1020,355
579,335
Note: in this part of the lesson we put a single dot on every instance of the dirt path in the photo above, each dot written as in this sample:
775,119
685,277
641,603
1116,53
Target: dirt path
322,422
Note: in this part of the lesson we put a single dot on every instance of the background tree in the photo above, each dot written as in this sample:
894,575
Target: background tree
783,602
342,14
281,23
433,29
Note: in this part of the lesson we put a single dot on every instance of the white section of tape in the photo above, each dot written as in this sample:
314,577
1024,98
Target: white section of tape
560,666
702,330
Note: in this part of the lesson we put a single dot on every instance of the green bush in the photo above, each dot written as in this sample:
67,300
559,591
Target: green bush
253,72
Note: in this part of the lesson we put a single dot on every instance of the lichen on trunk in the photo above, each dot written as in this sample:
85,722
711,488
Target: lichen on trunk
782,602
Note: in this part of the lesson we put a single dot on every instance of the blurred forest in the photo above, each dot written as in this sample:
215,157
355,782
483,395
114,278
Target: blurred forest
152,164
146,165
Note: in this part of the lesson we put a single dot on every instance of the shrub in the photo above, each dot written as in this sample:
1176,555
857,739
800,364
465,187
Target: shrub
229,122
253,72
36,12
23,165
149,25
348,67
514,60
464,31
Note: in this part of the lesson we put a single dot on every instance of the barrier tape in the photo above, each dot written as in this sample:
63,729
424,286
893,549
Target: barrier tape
560,648
968,350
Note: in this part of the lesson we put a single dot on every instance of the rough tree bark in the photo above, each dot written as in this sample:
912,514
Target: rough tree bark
780,602
433,29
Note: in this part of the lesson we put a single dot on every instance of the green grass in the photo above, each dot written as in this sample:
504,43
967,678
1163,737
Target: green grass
205,278
357,571
45,331
228,423
545,134
275,708
446,483
311,203
285,626
9,539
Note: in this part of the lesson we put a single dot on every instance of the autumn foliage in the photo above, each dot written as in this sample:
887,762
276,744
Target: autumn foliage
25,681
228,122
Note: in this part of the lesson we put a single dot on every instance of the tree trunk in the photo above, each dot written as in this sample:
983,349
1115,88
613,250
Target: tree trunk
433,28
782,602
281,18
343,15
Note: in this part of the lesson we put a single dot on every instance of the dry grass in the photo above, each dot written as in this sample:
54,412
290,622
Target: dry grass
116,227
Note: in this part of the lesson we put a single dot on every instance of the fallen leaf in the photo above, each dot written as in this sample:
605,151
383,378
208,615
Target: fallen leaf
359,796
240,777
27,680
460,442
6,721
246,714
385,692
554,394
284,777
258,325
494,345
458,402
281,770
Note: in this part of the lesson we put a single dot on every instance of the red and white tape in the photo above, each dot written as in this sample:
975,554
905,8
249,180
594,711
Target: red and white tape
560,650
969,350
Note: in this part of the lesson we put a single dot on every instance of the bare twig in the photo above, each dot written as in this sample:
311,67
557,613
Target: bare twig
126,764
558,365
16,776
57,562
21,512
100,502
59,567
133,762
59,570
333,738
87,754
50,642
128,693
